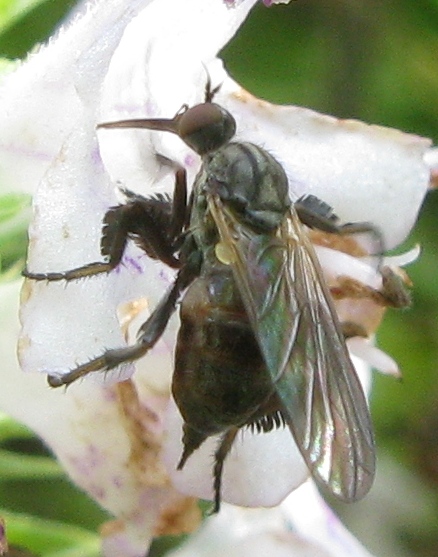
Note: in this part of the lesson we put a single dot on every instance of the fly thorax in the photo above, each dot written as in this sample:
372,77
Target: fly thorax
250,181
201,221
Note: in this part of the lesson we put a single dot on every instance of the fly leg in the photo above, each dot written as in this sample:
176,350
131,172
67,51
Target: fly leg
155,224
315,213
149,333
393,292
193,439
219,459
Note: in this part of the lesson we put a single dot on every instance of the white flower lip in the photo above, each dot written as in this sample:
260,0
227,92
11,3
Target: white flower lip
116,62
365,349
247,463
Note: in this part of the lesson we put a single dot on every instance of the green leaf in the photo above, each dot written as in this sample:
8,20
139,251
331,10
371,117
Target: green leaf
18,466
11,429
28,22
15,214
49,538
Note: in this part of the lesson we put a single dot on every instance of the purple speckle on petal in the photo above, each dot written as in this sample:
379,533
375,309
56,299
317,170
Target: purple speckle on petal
97,492
26,153
132,263
232,3
119,543
190,160
109,395
117,482
87,462
96,158
166,276
95,456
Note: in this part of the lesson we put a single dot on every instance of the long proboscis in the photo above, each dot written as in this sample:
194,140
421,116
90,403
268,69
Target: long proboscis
160,124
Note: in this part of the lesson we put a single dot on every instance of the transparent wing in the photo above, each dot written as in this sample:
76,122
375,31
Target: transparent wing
294,321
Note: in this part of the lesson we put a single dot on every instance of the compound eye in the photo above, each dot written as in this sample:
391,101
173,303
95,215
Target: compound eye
206,127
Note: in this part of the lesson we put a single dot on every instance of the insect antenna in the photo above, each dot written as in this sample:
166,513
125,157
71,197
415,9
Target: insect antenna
209,92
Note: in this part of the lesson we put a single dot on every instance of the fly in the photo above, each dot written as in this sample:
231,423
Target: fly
260,344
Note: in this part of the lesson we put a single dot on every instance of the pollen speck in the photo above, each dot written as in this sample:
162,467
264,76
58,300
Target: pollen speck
128,311
223,253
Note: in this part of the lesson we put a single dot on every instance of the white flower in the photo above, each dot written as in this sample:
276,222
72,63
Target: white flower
301,526
126,59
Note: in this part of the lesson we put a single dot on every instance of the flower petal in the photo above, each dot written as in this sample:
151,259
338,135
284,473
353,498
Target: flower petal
303,526
39,102
403,259
238,532
168,70
91,437
70,195
373,356
336,263
312,518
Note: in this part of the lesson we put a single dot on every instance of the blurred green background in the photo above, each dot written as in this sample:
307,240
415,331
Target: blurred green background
375,60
